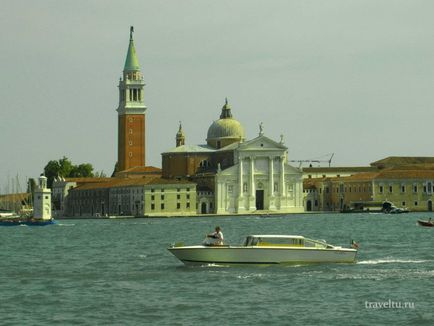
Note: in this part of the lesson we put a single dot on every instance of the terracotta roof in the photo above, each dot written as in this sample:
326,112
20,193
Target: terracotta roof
126,182
142,169
422,166
403,160
87,180
308,186
367,176
326,169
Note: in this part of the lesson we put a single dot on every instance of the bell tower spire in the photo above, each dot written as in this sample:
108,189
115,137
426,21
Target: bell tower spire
131,112
180,136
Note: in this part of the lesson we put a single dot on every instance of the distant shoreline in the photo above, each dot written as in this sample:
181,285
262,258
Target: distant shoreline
264,215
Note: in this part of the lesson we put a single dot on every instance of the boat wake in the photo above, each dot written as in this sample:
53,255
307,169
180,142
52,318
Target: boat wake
215,265
392,261
61,224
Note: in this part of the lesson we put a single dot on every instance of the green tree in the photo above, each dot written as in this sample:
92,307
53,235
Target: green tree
64,168
81,171
51,171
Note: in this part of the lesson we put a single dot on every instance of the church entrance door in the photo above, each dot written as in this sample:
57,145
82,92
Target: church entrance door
259,200
308,206
203,208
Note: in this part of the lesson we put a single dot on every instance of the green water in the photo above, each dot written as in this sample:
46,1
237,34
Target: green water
118,272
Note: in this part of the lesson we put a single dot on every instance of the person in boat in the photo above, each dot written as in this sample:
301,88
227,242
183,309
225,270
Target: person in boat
354,244
429,220
215,238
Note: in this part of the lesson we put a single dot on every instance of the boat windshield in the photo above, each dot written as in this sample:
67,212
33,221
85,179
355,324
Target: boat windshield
268,241
316,244
251,241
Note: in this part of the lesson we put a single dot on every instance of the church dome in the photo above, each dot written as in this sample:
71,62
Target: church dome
226,130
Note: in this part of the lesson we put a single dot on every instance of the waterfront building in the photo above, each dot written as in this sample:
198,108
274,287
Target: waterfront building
131,113
139,197
337,193
409,188
60,191
404,185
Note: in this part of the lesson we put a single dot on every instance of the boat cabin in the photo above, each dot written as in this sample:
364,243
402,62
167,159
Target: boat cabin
284,241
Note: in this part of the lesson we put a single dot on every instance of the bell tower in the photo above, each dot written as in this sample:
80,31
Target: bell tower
131,113
180,136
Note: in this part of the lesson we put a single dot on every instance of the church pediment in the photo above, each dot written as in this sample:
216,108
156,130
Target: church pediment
262,143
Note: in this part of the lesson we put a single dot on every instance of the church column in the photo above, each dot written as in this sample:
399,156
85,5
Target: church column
240,206
252,202
219,198
271,205
271,175
282,177
240,177
252,177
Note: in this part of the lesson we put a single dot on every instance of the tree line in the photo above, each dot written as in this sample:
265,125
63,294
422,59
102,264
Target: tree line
66,169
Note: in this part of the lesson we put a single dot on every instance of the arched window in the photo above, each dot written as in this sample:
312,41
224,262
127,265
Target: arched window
204,164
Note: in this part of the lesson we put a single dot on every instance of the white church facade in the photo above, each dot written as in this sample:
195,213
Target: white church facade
260,180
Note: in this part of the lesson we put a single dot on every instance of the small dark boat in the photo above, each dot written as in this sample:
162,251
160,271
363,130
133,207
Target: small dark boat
425,223
15,221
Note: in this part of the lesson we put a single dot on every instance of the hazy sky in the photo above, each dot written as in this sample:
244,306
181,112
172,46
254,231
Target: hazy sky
354,78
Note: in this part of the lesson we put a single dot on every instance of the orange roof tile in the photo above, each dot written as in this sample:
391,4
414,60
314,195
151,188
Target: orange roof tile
326,169
87,180
403,160
126,182
142,169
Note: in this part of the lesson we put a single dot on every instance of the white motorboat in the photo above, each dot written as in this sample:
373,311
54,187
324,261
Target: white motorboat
265,250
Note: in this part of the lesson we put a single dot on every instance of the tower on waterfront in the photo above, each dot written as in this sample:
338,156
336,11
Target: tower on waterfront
42,200
131,113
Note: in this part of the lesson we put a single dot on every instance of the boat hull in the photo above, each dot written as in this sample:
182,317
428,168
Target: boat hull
235,255
28,222
425,223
